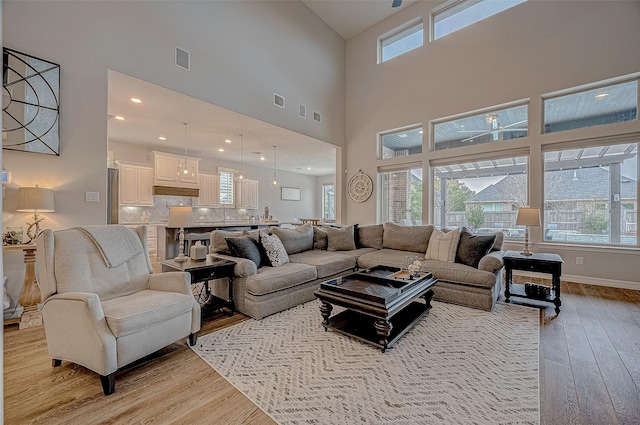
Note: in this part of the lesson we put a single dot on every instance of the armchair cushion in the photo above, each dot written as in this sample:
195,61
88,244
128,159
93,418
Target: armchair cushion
136,312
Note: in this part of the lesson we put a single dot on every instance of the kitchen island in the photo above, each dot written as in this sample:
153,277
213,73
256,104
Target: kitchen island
168,236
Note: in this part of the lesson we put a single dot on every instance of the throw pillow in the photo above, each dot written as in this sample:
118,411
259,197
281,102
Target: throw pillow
245,247
406,238
340,239
295,240
274,249
472,248
219,241
371,236
443,246
319,238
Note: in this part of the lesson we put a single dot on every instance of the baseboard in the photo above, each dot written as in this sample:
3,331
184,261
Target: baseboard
622,284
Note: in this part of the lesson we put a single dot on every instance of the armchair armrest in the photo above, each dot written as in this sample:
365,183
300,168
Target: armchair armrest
171,282
77,331
492,262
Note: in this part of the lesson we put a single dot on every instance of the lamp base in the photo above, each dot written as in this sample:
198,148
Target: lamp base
181,258
526,253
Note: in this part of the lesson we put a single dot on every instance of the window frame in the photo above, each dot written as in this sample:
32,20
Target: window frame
324,217
224,186
382,134
405,167
396,34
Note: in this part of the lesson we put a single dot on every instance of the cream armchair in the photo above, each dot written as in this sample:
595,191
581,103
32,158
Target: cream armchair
101,305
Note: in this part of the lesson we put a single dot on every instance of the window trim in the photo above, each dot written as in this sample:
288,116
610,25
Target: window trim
396,32
381,134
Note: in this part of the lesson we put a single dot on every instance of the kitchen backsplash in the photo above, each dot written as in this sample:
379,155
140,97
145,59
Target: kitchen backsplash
159,213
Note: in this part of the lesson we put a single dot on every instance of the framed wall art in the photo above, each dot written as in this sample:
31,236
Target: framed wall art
290,193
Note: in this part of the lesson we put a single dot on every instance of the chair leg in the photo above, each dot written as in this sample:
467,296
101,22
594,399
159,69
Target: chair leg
56,362
108,383
193,338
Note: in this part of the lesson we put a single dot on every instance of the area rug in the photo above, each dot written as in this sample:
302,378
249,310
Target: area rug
456,366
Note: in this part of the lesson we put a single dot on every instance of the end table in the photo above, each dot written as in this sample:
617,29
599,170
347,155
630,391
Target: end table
537,262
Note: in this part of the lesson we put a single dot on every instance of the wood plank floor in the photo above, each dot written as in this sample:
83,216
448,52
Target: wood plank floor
589,374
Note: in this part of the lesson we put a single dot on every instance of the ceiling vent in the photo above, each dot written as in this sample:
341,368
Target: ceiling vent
278,100
183,59
316,116
303,111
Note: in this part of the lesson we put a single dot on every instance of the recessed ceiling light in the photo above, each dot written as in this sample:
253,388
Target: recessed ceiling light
420,131
220,150
602,95
135,100
227,141
119,118
402,135
162,138
262,158
308,168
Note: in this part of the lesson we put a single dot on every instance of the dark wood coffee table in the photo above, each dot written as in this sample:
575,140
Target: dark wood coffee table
381,303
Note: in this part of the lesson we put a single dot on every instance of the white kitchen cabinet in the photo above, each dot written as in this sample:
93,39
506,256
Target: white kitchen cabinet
248,194
136,184
209,191
166,170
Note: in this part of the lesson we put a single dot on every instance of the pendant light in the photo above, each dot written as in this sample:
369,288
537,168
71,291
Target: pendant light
240,174
274,179
184,169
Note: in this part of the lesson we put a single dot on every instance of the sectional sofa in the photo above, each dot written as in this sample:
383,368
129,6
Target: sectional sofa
468,267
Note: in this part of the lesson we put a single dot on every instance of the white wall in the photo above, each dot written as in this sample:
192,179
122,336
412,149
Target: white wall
534,48
241,53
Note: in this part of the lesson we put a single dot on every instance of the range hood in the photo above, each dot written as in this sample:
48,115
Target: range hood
176,191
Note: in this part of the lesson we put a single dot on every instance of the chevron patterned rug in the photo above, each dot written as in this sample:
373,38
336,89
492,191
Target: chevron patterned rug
456,366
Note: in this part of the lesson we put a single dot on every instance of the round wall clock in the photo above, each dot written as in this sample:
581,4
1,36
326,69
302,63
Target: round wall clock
360,187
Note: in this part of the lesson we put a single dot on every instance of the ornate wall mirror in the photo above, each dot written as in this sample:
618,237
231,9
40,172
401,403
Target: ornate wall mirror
30,103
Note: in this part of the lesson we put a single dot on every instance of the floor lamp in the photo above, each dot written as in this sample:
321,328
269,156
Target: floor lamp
179,218
527,217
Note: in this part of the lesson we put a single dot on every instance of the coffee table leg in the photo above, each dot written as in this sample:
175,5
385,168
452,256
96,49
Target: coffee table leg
325,310
383,329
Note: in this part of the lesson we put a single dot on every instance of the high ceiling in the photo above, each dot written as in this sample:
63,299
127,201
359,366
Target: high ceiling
163,112
350,17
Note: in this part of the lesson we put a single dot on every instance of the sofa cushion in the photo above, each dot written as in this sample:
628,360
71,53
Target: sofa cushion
319,238
219,241
327,263
472,248
387,257
273,279
136,312
406,238
443,246
340,238
371,236
295,240
275,251
459,273
245,247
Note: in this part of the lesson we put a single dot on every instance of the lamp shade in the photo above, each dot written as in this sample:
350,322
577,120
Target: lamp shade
35,199
528,217
180,217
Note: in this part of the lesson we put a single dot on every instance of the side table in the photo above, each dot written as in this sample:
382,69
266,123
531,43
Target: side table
202,271
537,262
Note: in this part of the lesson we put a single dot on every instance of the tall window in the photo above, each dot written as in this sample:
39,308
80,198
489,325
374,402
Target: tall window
400,40
401,196
484,195
226,187
407,141
591,194
489,126
457,14
329,202
587,108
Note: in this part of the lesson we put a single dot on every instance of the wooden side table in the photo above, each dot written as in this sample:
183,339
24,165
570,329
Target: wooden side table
538,262
202,271
30,294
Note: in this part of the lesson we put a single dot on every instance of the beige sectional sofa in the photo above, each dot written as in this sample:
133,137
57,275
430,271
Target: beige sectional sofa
317,254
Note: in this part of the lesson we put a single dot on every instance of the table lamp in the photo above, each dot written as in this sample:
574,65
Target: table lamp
180,217
36,200
527,217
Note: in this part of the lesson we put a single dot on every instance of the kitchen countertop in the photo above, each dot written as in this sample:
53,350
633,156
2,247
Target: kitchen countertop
220,224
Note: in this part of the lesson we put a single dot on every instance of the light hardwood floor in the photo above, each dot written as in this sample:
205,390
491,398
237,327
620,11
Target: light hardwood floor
589,374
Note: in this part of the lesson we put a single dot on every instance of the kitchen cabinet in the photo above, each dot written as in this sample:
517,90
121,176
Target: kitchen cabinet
209,191
248,194
166,170
136,184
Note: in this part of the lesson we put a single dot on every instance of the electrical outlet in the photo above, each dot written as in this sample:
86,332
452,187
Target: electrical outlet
579,261
92,196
